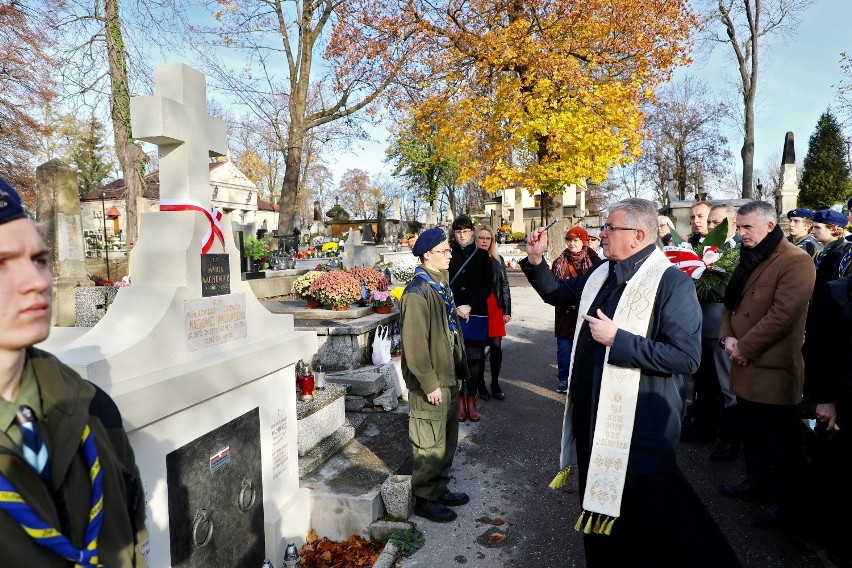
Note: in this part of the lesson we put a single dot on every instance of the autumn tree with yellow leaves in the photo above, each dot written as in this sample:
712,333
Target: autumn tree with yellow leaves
541,94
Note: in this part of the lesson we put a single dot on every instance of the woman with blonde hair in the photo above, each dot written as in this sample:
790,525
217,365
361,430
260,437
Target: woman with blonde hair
499,311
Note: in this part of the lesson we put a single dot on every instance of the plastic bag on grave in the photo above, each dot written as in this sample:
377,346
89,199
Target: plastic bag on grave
382,346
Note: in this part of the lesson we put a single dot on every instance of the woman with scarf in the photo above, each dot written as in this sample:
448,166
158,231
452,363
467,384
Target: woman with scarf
574,261
499,312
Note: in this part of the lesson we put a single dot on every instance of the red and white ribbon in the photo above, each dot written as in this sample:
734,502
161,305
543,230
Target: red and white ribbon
688,261
214,216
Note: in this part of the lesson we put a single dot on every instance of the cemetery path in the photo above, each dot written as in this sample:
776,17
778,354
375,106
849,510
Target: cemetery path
506,461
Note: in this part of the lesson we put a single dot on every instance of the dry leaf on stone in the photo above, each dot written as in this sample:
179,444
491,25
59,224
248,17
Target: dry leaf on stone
496,538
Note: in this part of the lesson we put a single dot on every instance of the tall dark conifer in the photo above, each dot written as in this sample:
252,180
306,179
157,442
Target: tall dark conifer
825,176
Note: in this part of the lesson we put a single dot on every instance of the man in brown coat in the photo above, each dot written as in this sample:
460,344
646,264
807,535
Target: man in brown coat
763,325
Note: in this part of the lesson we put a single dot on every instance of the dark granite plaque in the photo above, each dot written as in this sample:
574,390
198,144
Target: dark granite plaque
215,275
216,497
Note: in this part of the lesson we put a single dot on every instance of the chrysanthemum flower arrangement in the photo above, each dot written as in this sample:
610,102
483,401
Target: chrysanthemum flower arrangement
337,287
330,248
302,284
403,268
373,279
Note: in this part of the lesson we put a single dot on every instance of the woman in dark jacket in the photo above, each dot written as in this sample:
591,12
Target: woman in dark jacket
471,283
499,311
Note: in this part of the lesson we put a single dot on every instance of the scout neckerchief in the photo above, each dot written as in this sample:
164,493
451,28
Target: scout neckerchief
845,260
47,536
446,294
617,401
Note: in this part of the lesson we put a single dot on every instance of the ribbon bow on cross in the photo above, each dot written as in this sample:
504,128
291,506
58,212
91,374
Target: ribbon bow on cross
214,216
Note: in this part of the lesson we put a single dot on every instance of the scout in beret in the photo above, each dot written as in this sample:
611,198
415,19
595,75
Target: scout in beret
59,430
835,260
801,223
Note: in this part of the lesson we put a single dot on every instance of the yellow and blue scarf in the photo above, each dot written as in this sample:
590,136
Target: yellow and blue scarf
46,535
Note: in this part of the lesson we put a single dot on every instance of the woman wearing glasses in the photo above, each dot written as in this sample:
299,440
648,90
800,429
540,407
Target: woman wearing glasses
499,311
594,243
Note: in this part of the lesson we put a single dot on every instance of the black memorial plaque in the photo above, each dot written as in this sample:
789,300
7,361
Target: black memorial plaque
216,498
215,275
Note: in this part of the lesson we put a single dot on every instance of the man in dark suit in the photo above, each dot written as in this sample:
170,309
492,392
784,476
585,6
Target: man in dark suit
623,341
698,215
763,326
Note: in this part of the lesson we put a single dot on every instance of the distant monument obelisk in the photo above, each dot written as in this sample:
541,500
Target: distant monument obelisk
787,195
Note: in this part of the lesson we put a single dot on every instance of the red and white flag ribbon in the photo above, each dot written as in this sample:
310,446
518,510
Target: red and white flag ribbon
688,261
214,216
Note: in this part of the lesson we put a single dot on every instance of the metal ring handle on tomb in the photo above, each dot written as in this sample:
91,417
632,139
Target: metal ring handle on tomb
202,517
247,487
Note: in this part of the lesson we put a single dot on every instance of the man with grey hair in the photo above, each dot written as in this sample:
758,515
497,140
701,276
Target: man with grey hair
640,331
763,327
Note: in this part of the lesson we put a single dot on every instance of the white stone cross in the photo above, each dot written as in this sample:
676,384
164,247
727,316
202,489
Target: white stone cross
175,119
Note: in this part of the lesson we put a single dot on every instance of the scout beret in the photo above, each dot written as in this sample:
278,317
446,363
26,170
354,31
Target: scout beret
10,203
427,240
801,212
830,217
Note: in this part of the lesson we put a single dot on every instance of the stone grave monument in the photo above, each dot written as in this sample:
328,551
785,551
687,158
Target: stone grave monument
61,227
203,374
787,195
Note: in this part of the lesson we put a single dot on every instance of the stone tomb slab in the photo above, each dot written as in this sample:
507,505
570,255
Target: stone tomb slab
297,309
344,343
361,382
215,497
320,417
345,491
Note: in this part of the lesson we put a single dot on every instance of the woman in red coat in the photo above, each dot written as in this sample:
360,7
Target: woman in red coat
499,311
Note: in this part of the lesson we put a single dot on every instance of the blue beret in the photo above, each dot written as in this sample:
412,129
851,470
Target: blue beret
427,240
10,203
801,212
830,217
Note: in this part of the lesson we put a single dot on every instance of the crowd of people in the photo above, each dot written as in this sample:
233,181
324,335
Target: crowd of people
630,329
755,376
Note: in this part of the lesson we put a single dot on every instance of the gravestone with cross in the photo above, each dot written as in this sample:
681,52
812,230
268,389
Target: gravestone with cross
175,119
203,374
